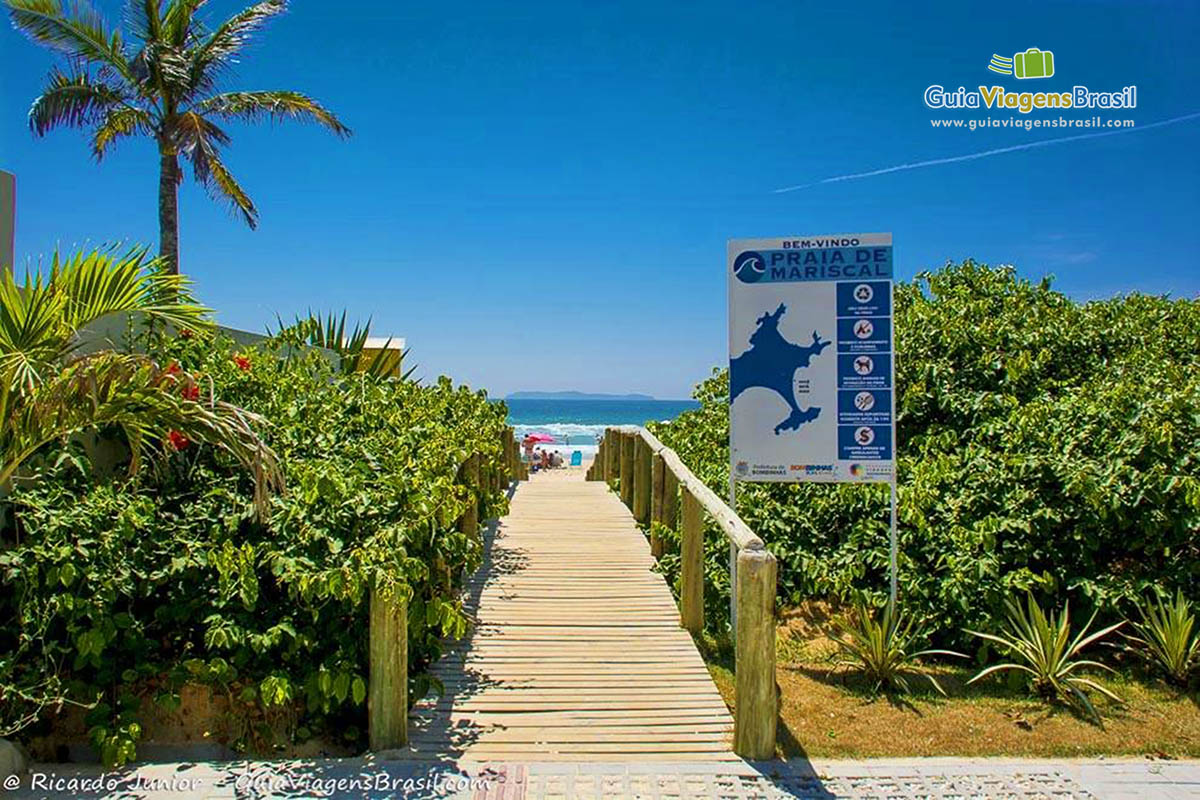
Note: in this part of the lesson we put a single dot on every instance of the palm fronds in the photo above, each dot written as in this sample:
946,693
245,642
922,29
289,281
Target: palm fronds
145,402
163,84
332,333
39,319
254,106
1044,650
883,649
74,101
74,29
47,394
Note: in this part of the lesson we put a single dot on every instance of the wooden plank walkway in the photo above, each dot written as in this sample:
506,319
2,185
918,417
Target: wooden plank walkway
577,653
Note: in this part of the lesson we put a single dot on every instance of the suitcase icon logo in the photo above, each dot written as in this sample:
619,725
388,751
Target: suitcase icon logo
1033,63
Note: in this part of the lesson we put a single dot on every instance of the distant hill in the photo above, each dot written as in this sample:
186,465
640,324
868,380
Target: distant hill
575,396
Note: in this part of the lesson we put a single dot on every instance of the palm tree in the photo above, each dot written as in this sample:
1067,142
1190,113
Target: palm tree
164,86
49,391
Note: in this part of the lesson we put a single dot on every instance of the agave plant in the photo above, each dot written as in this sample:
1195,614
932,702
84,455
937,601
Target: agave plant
49,392
350,344
883,649
1044,649
1168,636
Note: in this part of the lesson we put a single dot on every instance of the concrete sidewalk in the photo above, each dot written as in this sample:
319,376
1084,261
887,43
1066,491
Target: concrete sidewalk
370,778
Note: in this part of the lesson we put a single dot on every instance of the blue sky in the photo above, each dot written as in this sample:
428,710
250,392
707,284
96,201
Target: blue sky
538,195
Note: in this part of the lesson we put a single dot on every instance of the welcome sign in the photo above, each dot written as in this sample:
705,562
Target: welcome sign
811,372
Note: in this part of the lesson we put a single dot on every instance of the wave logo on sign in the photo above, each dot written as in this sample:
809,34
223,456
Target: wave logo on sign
749,267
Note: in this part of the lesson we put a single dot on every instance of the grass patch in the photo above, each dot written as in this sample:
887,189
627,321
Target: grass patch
827,712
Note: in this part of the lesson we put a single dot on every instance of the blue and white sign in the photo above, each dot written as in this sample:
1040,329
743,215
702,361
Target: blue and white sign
811,358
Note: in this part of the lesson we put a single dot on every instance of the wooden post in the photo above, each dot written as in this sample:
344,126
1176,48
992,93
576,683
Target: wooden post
691,566
387,691
627,469
657,468
641,480
514,458
670,497
596,470
613,468
468,474
754,693
502,464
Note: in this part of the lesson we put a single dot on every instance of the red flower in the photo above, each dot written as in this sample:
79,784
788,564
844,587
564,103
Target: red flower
242,362
186,333
190,392
173,369
178,440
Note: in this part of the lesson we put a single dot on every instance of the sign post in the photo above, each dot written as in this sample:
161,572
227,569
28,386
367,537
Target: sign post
8,219
812,363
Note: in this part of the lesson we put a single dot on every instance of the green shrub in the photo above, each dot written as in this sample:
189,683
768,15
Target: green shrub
884,649
1044,445
1046,653
1168,636
123,587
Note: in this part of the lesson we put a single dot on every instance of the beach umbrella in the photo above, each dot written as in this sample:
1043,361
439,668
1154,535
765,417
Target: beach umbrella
538,438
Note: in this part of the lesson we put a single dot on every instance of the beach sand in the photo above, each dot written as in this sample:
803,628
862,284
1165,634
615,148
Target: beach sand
563,473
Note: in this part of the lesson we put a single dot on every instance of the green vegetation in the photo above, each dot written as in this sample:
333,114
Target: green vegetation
1044,445
1168,636
330,332
48,392
883,650
125,588
162,84
831,712
1046,653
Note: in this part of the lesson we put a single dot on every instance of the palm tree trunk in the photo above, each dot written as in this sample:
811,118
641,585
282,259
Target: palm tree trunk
168,209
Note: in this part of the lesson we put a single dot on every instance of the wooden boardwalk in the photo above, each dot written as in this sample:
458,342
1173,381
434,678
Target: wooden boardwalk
577,653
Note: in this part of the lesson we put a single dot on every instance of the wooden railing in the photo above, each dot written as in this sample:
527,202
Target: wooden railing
654,483
387,692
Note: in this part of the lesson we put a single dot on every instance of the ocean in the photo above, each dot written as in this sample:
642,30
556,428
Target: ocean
577,424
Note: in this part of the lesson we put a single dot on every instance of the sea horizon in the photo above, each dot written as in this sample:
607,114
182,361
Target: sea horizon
578,424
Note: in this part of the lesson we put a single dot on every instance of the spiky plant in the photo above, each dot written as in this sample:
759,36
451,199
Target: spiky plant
161,83
1045,650
1168,636
883,648
330,331
49,392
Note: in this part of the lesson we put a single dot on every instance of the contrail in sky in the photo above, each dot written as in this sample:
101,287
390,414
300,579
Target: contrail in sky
933,162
